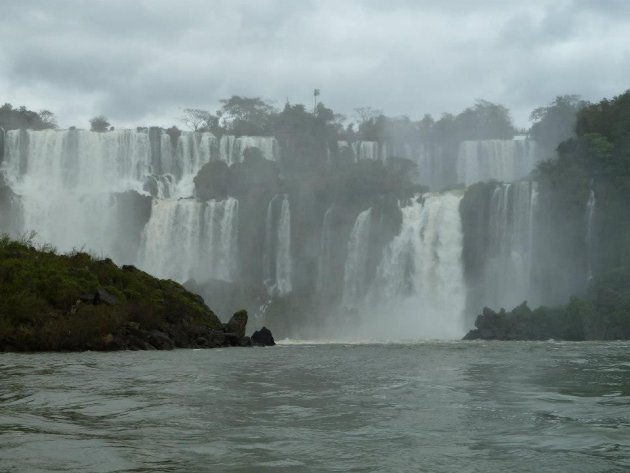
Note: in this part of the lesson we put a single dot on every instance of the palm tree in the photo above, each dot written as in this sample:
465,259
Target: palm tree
315,95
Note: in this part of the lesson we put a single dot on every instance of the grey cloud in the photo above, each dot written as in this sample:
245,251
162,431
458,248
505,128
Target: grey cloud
145,60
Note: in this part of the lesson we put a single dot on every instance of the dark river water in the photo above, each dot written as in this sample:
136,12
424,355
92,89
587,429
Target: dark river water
434,407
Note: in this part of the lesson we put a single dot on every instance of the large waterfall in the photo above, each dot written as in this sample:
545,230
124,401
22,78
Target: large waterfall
356,268
187,239
278,266
419,290
398,270
503,160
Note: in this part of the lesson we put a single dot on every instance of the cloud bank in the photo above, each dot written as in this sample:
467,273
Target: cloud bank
141,62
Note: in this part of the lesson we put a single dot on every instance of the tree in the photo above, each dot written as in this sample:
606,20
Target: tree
555,122
22,118
99,124
246,115
484,121
48,119
200,120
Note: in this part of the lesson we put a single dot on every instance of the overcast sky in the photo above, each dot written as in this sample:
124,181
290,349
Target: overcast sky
141,62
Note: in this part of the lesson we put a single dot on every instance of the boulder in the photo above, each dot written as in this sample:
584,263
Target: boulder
103,297
211,182
263,338
160,340
244,342
237,324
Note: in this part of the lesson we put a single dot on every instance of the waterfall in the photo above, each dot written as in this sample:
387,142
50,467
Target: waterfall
193,151
187,239
419,288
590,215
507,275
66,183
356,268
232,149
277,261
503,160
77,160
365,150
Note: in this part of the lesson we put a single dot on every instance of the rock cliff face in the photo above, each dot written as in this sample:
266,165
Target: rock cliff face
51,302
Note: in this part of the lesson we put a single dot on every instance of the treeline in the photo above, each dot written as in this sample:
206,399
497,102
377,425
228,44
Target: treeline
254,116
22,118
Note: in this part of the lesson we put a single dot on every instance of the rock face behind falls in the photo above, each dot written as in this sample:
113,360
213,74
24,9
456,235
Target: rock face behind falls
51,302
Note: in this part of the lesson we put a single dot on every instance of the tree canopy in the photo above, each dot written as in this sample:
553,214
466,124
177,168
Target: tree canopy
22,118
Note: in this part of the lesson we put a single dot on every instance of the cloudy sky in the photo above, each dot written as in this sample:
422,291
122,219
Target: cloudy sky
142,62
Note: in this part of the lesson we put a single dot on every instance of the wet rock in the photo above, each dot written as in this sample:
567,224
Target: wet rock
244,342
216,339
237,324
160,340
103,297
263,338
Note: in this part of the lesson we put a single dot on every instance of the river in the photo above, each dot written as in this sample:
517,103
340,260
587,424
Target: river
300,407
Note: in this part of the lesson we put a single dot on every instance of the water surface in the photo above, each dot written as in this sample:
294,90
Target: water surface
435,407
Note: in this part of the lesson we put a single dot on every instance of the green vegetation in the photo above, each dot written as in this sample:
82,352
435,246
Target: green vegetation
21,118
49,302
99,124
598,159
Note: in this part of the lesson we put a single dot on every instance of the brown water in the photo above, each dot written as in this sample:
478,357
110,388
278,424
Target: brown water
434,407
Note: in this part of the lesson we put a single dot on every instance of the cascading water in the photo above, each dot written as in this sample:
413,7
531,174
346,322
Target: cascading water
419,291
503,160
590,216
186,239
66,182
356,268
365,150
507,275
278,267
232,149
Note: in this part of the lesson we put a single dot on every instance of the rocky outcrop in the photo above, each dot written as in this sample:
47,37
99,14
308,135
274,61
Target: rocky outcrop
263,338
211,182
237,324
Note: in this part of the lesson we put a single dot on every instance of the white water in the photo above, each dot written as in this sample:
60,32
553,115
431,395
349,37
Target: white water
278,266
503,160
507,278
430,163
354,287
419,291
187,239
232,149
67,181
365,150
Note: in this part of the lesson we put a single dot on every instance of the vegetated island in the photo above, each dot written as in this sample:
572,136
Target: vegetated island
75,302
603,313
